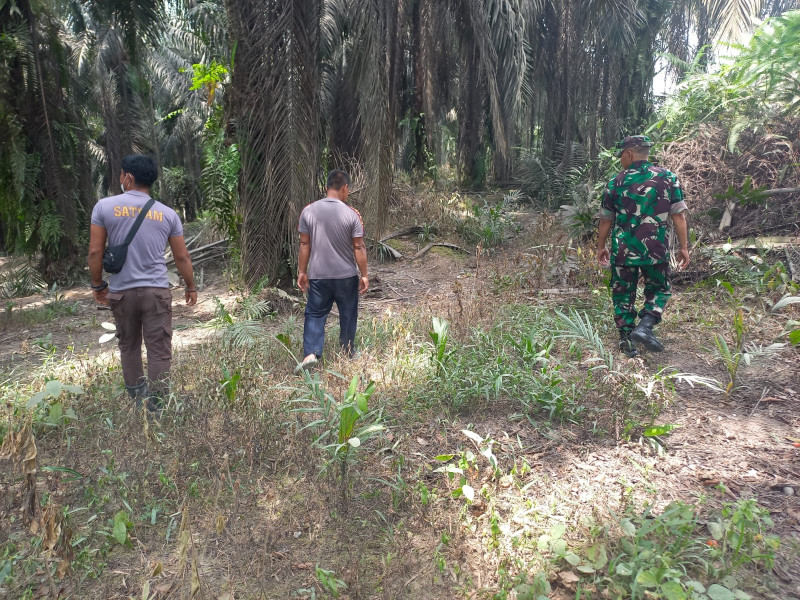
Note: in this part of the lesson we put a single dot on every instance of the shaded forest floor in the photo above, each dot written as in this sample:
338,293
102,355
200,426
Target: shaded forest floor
513,460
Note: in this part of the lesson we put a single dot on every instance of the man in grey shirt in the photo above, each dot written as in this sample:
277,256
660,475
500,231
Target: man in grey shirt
332,252
139,294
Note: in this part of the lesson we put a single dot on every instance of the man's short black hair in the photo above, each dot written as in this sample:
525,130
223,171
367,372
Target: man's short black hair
337,179
142,167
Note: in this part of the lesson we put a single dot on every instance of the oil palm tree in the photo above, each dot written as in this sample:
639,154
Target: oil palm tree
43,158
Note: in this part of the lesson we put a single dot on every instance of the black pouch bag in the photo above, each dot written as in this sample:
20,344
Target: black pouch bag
114,256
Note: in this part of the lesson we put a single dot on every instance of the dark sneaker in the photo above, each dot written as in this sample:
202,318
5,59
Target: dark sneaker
644,336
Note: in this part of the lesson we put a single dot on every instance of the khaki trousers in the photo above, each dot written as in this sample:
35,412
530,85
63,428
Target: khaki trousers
144,313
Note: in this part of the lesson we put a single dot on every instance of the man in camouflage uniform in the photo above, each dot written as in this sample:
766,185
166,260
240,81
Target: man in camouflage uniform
638,203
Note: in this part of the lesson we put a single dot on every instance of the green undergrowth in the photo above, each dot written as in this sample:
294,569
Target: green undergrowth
243,445
681,552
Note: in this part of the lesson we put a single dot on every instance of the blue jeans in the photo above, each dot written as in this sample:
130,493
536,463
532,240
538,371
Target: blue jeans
321,295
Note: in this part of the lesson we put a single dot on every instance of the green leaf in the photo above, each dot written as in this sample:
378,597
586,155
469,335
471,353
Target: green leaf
716,530
56,412
53,388
696,586
449,469
361,402
559,547
623,569
468,491
600,558
63,470
473,436
351,391
524,591
647,579
740,595
717,592
794,337
445,457
628,528
370,389
106,337
587,569
121,527
347,421
658,430
557,530
785,301
36,399
573,559
730,582
673,590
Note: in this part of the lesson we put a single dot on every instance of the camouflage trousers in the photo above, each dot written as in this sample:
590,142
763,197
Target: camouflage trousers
624,281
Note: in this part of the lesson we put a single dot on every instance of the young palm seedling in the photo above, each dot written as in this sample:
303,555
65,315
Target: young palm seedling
732,356
739,352
341,427
439,333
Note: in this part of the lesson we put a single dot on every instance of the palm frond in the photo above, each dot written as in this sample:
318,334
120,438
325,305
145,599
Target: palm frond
579,327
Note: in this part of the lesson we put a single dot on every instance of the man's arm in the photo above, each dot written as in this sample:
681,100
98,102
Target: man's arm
97,245
682,229
603,229
302,261
183,262
360,254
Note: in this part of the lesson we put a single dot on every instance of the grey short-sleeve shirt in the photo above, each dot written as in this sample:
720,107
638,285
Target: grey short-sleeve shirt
145,265
332,225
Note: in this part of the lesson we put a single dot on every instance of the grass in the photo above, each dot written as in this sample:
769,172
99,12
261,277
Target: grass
510,463
50,311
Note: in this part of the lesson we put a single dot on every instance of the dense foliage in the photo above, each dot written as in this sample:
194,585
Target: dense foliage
245,104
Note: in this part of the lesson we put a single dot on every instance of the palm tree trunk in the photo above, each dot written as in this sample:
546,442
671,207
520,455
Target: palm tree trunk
274,98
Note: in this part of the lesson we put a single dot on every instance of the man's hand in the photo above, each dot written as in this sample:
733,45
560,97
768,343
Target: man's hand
101,296
683,258
191,298
302,282
603,256
363,285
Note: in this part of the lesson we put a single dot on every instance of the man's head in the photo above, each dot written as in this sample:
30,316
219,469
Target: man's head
633,148
138,172
338,185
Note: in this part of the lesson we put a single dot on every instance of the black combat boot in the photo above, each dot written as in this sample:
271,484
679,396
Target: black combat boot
138,393
626,346
644,336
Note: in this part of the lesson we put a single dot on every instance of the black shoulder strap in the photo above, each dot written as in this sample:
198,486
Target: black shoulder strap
138,222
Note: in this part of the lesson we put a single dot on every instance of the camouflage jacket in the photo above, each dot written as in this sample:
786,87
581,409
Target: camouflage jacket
640,200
